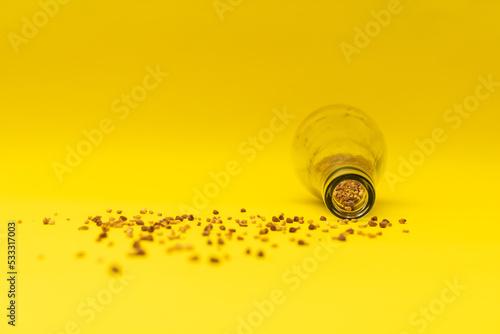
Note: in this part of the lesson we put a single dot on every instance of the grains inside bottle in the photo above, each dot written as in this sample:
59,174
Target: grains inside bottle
349,195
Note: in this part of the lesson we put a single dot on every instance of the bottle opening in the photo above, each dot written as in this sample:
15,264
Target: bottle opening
349,194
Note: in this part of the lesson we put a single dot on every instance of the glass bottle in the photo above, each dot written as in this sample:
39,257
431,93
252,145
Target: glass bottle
339,154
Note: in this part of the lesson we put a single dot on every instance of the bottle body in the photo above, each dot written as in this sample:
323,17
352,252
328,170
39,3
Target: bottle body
339,154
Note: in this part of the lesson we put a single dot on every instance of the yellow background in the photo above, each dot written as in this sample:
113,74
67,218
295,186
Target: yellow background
225,79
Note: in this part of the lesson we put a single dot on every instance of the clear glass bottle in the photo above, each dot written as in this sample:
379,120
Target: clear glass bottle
339,154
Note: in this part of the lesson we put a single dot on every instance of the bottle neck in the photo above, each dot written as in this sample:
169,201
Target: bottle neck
364,199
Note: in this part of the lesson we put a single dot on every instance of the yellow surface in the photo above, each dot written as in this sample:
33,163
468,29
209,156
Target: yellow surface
225,79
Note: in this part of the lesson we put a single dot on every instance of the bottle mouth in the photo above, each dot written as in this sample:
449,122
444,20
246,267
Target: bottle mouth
349,193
